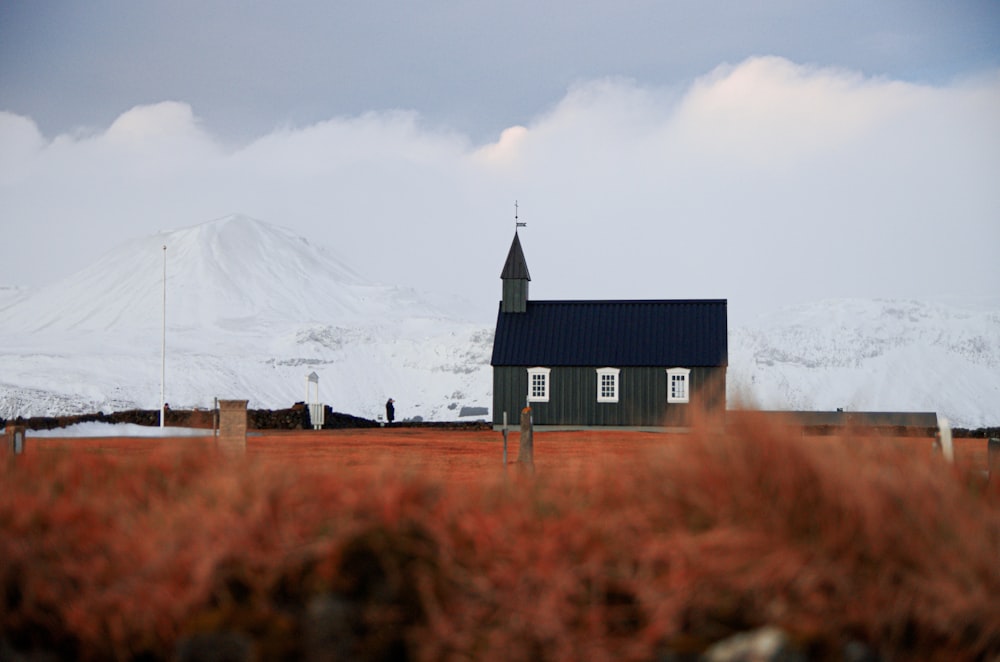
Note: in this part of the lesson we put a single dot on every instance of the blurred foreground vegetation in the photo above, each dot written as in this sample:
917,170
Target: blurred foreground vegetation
185,554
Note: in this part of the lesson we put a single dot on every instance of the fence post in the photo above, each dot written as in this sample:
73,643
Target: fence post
526,452
993,458
15,438
505,440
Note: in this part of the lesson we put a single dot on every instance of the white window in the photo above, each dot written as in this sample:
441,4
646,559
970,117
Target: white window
538,384
607,384
678,384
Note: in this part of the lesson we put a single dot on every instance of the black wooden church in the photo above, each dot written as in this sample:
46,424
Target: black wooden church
631,364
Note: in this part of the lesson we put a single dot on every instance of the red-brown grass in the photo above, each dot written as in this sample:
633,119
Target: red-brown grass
390,544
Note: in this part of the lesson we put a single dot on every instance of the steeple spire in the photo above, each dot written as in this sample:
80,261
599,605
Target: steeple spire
515,275
516,267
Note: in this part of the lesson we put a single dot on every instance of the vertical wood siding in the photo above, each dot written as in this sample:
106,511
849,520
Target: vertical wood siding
515,296
642,397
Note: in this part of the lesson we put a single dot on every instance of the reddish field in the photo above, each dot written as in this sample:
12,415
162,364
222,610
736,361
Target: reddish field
458,455
416,544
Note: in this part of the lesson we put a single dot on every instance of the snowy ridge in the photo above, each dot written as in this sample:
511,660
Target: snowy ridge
221,274
252,309
871,355
8,294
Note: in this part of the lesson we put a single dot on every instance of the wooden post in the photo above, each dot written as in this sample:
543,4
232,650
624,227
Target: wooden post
15,439
993,459
232,426
526,453
505,440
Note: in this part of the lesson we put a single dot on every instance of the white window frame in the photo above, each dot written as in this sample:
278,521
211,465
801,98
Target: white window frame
544,383
683,376
613,374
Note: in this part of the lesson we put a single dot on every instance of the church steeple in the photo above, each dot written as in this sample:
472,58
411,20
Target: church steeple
515,278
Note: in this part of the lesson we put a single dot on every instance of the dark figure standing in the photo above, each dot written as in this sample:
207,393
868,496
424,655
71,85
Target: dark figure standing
390,411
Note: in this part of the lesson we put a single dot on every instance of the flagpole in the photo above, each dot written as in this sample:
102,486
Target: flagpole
163,347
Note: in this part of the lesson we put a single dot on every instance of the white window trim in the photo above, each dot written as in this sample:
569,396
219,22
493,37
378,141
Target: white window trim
544,373
685,373
607,372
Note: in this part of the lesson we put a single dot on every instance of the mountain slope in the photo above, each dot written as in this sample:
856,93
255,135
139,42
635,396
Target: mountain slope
251,310
219,274
872,355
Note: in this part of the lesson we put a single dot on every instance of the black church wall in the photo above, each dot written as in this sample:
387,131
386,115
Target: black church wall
642,400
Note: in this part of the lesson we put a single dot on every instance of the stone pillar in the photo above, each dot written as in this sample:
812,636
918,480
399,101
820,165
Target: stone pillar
232,426
15,438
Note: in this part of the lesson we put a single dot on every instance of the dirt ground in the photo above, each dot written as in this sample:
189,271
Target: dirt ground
457,454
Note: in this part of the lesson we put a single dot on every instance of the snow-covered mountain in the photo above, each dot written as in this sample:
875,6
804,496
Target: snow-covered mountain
252,309
871,355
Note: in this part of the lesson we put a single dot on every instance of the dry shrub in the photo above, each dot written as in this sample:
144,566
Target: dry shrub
172,552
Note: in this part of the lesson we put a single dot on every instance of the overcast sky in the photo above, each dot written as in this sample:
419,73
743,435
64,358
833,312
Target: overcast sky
770,152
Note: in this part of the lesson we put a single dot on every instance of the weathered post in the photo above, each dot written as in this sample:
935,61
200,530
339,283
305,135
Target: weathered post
232,426
15,438
526,453
993,459
505,440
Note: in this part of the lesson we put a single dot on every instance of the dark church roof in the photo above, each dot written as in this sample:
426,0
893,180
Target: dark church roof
515,267
671,333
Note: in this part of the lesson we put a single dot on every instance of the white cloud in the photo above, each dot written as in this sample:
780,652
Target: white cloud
506,150
764,182
768,111
21,142
145,125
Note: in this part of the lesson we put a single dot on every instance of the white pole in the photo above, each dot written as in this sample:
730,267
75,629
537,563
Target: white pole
163,347
944,432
